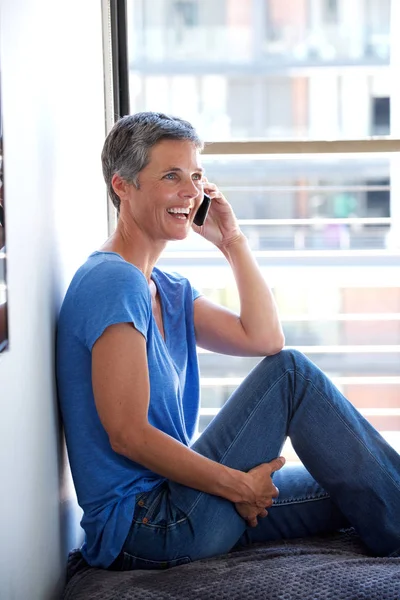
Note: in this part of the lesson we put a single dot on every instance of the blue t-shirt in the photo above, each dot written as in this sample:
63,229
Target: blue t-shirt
104,291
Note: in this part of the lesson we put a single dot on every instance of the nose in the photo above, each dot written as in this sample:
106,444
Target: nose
190,188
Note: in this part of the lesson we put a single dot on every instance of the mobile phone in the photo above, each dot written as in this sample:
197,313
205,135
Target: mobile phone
202,211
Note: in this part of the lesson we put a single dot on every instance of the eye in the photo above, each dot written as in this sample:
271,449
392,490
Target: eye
197,176
170,176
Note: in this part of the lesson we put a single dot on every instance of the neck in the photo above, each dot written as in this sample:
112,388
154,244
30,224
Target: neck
136,248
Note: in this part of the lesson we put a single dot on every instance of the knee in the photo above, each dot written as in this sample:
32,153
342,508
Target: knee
288,358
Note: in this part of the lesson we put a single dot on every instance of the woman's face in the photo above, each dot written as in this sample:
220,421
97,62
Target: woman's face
170,191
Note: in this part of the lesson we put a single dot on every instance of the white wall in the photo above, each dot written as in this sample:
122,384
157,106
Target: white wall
53,115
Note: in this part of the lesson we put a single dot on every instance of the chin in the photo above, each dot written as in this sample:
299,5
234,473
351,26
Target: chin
179,235
179,238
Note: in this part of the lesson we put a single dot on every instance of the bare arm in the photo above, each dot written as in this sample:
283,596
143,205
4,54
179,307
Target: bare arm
121,390
256,331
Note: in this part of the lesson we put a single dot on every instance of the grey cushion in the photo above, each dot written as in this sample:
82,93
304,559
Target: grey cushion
320,568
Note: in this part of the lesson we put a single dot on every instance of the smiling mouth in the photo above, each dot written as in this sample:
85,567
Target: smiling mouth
181,215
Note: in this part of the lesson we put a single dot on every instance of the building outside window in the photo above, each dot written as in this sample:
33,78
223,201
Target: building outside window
298,77
380,116
186,13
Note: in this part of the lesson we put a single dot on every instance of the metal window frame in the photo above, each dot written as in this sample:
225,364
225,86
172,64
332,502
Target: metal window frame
115,60
119,44
116,73
272,147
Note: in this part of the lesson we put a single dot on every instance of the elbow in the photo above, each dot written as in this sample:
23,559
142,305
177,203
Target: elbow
268,345
120,444
277,348
127,442
276,344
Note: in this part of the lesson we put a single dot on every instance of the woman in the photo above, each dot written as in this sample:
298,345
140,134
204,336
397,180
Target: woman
129,388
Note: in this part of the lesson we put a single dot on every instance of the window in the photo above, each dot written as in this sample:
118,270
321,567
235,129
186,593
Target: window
331,11
290,94
380,116
186,13
378,198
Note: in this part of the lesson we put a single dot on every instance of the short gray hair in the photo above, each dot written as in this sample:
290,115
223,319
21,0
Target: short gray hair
127,147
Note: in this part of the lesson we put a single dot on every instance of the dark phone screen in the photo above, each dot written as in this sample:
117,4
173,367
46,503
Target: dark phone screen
202,211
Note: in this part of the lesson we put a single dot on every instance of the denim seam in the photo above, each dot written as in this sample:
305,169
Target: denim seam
179,559
256,407
300,500
157,526
360,441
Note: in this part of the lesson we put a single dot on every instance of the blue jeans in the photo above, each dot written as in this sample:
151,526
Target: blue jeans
358,473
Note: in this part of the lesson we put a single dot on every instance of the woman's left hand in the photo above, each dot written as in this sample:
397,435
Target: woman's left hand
221,226
250,513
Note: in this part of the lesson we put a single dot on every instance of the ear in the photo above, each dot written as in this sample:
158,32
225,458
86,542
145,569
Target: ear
120,186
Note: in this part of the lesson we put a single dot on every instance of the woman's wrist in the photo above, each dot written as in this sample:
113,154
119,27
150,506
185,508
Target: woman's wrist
235,486
235,241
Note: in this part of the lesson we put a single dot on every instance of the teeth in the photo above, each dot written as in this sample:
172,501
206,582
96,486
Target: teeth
184,211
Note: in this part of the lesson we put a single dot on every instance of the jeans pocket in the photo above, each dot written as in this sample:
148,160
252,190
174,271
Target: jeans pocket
148,500
148,505
129,562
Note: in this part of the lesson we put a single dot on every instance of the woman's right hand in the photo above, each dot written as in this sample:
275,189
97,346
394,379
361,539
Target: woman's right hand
264,491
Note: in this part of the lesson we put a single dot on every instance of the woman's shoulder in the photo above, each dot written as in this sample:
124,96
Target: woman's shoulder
170,277
107,274
104,265
175,286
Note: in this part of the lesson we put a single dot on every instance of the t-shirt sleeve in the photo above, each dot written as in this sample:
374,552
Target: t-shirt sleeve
111,293
177,277
195,293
